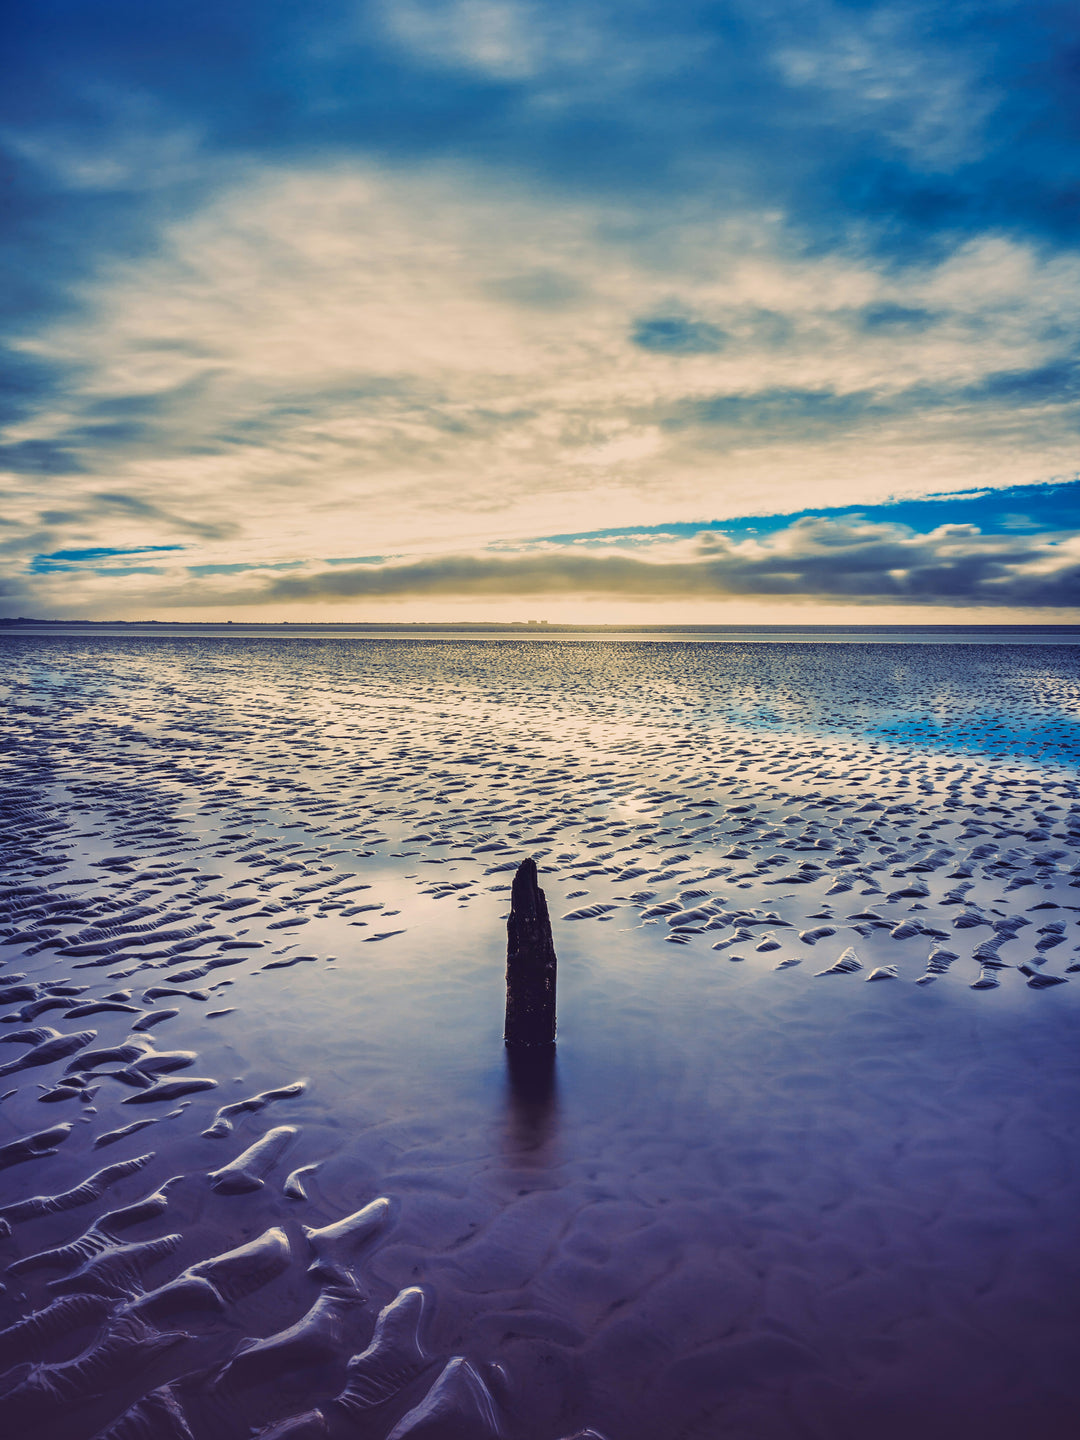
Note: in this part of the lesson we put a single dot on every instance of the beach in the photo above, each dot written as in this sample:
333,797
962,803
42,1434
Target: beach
803,1164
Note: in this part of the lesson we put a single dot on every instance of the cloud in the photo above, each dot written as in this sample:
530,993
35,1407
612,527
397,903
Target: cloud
888,126
112,504
40,457
1056,383
386,278
888,315
893,69
417,357
772,410
132,148
813,558
671,335
503,39
776,408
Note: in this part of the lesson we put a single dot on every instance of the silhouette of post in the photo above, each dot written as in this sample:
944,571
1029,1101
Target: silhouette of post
530,963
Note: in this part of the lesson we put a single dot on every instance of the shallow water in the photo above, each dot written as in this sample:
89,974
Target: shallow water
744,1200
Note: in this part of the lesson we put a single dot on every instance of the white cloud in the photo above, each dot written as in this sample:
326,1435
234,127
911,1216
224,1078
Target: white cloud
131,145
568,52
886,67
352,360
507,41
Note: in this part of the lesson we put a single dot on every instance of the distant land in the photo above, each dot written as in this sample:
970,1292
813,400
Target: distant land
532,627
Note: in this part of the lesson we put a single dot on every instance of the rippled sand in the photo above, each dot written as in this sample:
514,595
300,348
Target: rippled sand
264,1167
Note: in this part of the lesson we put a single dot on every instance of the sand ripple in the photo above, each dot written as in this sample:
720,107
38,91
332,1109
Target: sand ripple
734,1203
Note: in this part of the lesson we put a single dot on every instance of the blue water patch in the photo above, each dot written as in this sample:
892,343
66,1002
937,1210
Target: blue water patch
1017,702
988,735
1054,741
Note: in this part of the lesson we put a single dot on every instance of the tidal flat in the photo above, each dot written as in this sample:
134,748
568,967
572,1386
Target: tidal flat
805,1164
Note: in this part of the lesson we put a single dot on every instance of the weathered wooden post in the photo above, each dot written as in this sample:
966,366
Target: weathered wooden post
530,963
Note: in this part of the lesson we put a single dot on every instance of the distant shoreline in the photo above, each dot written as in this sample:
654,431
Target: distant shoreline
535,627
481,630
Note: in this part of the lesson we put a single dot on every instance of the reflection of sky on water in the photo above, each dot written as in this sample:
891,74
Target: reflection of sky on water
714,1138
985,705
1016,700
982,733
989,735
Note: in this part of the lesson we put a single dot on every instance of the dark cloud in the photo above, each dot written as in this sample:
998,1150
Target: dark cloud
59,517
153,404
779,409
850,560
537,289
24,380
1036,386
671,335
891,317
783,408
107,502
39,457
25,543
15,594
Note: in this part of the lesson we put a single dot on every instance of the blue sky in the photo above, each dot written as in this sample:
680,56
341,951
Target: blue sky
447,308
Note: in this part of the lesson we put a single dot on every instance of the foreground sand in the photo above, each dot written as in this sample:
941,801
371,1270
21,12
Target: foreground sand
252,983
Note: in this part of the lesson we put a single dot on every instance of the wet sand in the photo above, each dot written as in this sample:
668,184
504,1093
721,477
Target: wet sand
805,1163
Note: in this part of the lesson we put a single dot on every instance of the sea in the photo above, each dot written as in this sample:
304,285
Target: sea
803,1161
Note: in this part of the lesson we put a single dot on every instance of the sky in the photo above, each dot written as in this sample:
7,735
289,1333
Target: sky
636,313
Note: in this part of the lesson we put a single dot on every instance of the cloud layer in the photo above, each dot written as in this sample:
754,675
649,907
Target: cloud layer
436,276
812,558
851,560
